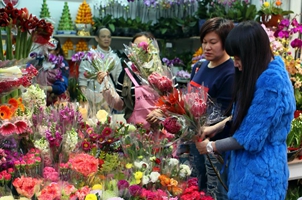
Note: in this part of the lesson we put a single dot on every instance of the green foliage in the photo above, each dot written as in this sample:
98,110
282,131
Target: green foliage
74,90
203,9
238,11
294,190
108,21
294,138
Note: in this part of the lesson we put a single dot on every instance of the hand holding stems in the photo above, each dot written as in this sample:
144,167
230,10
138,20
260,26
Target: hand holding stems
154,116
100,76
208,132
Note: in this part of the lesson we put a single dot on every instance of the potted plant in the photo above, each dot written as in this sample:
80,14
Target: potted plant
241,11
294,138
106,21
236,10
203,11
271,13
188,25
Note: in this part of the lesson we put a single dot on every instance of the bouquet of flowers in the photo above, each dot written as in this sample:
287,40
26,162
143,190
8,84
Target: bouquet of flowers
28,29
188,111
144,59
146,64
98,61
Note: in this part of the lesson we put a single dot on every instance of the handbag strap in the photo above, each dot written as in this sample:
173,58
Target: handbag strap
131,77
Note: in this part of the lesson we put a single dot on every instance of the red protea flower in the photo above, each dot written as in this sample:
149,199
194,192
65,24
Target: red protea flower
7,128
21,126
171,125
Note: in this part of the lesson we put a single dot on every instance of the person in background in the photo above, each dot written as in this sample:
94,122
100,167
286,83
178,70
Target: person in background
90,87
53,78
216,73
263,108
123,98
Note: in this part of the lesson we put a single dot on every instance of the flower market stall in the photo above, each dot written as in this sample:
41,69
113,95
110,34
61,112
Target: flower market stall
59,152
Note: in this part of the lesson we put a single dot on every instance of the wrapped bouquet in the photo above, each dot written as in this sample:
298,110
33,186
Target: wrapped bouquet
98,61
188,111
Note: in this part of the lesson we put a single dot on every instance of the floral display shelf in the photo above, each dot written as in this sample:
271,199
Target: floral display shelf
295,169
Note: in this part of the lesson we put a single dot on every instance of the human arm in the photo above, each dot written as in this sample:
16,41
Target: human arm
211,131
273,103
109,93
219,146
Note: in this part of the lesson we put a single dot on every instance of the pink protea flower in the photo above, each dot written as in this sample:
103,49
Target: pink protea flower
21,126
161,83
171,125
8,128
143,45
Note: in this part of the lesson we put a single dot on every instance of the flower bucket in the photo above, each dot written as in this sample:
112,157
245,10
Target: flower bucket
271,20
293,153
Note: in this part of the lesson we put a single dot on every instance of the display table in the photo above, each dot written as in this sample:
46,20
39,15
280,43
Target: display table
295,169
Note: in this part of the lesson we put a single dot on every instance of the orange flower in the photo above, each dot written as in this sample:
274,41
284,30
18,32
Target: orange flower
176,190
278,3
14,103
173,182
20,104
164,180
5,112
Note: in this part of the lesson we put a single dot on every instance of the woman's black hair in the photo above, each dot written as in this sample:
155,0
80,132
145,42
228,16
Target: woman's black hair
250,43
219,25
59,47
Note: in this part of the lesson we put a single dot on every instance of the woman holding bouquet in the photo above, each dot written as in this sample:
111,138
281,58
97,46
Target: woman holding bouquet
216,73
129,92
264,106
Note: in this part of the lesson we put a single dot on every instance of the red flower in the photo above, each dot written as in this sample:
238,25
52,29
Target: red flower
297,113
7,128
86,145
171,125
21,126
106,131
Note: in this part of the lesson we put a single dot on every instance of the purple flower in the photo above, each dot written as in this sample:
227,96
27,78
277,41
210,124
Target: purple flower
122,184
135,190
296,43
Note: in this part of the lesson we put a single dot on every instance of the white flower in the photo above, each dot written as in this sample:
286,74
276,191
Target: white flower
154,176
141,164
184,171
173,162
145,180
42,145
71,140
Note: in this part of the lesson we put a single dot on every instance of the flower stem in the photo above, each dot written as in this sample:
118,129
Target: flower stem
18,43
1,48
23,45
9,45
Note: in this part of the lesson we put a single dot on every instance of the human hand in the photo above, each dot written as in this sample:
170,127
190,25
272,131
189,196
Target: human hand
82,88
100,76
202,146
154,116
46,88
